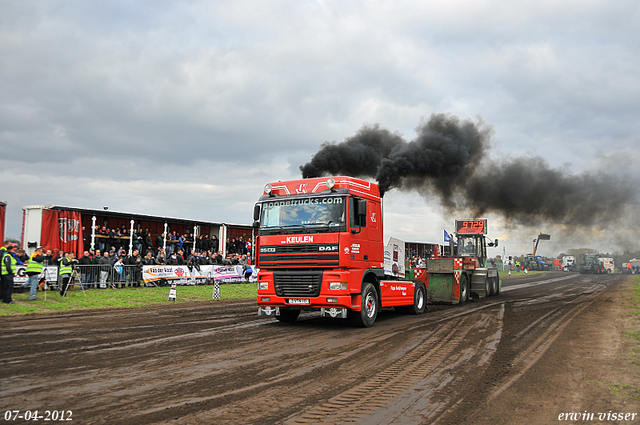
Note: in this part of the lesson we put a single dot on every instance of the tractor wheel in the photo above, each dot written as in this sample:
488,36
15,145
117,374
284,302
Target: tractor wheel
497,278
464,288
368,308
487,287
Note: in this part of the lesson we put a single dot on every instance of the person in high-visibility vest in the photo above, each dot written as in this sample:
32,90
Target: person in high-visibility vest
8,269
66,269
34,270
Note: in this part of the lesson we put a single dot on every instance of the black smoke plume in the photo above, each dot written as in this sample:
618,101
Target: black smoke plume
448,158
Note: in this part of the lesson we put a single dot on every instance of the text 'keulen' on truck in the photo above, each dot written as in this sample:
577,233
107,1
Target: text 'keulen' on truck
320,246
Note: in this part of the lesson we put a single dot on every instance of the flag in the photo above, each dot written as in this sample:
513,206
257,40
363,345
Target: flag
447,238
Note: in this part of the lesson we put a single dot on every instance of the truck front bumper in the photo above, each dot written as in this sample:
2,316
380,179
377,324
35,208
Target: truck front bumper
329,305
333,312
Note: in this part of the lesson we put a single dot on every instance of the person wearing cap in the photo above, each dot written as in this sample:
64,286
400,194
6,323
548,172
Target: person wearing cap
34,270
8,270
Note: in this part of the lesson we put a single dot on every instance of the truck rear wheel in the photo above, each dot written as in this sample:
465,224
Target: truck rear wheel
494,286
368,308
487,287
419,301
497,278
464,288
288,315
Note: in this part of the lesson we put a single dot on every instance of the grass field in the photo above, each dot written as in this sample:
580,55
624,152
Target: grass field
635,311
77,299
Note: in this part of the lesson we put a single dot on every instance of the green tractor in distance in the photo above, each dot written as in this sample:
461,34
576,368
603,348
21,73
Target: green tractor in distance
591,264
533,262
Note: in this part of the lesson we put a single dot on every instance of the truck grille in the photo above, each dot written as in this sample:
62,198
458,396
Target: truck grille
309,255
304,284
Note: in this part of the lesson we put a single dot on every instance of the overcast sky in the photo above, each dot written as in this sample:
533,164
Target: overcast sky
188,108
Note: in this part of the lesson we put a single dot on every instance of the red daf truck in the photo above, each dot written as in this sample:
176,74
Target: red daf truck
320,246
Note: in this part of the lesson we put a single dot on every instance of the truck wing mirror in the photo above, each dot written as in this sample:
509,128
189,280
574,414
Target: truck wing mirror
362,208
496,244
256,216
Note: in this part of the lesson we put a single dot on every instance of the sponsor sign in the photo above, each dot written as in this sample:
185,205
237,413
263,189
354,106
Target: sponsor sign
20,279
183,275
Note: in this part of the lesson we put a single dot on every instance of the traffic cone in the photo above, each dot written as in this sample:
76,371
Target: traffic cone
172,292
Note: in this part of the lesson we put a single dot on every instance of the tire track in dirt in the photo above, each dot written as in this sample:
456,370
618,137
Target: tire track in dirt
224,364
378,390
523,349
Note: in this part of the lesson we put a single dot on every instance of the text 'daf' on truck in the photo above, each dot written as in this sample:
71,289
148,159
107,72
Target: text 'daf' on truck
320,246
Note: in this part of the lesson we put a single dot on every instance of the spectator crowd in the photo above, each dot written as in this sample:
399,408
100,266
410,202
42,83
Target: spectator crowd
110,263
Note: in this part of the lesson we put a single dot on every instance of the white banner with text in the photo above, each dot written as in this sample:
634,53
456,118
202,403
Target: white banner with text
202,275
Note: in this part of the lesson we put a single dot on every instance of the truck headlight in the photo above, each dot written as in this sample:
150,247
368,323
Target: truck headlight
263,285
337,286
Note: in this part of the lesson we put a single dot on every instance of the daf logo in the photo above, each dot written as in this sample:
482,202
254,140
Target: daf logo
331,248
267,249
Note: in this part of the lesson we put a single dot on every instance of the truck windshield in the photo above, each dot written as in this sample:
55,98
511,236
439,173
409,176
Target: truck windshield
304,215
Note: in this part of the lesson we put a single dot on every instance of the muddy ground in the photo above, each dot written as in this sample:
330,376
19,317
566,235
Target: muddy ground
548,345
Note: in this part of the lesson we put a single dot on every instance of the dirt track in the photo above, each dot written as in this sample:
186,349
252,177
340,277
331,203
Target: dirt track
549,344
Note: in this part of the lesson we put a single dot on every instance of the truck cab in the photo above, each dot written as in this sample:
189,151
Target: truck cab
319,245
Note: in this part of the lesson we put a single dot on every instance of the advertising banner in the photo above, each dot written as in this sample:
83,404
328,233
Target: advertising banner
185,275
20,279
62,231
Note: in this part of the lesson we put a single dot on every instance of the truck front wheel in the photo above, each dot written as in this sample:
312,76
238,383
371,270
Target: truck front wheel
368,308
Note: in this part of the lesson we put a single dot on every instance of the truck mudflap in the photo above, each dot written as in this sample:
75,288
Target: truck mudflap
334,313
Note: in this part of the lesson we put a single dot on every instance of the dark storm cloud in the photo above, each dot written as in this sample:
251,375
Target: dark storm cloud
448,158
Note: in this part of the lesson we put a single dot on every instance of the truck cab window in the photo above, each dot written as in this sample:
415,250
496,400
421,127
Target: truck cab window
467,246
303,215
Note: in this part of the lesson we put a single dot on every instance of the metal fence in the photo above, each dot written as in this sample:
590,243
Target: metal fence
95,276
107,276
